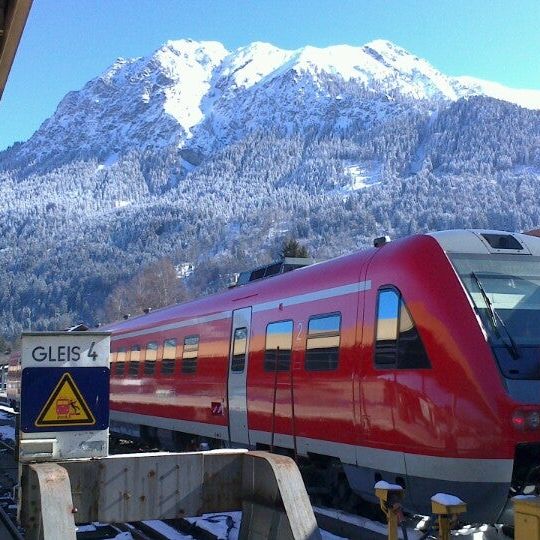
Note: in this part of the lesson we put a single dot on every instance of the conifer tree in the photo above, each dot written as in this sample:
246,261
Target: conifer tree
293,248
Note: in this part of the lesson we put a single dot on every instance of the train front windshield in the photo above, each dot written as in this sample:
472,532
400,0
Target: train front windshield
505,292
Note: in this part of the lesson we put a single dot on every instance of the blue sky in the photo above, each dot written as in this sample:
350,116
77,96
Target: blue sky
68,42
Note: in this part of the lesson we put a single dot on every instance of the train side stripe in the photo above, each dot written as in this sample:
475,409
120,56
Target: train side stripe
172,326
415,465
318,295
265,306
423,466
200,428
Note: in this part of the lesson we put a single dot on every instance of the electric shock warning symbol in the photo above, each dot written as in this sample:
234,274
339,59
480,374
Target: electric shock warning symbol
65,407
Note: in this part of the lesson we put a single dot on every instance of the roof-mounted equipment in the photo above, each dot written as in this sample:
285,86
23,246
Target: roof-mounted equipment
287,264
380,241
502,241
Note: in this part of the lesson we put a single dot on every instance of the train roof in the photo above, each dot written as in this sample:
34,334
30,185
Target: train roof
486,241
339,270
282,285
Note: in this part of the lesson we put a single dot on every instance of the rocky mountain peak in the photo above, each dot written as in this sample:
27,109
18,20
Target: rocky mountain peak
197,94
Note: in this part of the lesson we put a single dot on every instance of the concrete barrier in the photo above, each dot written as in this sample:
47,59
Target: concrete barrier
267,488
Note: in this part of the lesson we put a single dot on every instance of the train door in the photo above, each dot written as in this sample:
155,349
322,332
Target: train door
237,380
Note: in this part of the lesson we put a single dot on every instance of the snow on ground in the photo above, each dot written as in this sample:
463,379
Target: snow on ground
360,521
529,99
121,203
169,532
225,525
362,176
7,432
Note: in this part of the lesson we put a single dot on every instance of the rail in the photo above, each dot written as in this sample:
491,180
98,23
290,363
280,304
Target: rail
8,530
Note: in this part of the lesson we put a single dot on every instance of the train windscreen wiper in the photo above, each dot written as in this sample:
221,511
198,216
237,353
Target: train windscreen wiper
494,317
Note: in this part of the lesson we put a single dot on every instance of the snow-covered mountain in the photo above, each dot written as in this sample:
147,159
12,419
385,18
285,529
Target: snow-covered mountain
201,97
211,158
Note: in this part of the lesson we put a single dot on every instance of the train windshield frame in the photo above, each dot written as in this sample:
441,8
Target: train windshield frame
505,292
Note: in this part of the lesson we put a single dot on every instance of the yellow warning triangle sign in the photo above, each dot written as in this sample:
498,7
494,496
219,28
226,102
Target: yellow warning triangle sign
65,407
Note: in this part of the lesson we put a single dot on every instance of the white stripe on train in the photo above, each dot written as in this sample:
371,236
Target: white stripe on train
416,465
272,304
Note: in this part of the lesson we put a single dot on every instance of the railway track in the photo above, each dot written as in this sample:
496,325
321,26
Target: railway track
8,526
153,530
7,446
8,529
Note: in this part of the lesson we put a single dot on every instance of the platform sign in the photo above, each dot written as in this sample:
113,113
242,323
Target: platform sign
64,395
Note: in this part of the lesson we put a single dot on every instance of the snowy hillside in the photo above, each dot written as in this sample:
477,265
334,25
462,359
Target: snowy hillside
211,158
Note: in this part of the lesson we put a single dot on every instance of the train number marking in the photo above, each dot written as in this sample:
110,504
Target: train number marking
299,334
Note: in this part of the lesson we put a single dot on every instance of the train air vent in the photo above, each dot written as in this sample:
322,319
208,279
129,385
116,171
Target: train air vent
381,241
502,241
273,269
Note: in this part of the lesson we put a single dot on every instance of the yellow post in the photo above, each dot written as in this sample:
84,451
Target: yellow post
447,508
526,518
390,497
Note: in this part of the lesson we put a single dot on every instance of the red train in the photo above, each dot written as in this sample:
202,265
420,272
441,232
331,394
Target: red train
416,362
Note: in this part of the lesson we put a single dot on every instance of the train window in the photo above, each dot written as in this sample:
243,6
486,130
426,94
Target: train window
238,359
277,354
411,351
120,361
322,347
398,344
169,357
189,354
134,358
387,328
150,358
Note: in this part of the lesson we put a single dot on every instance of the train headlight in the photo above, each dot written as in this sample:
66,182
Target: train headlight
526,419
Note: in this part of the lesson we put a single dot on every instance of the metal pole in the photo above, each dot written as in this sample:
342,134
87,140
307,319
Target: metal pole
274,400
390,498
444,527
293,423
